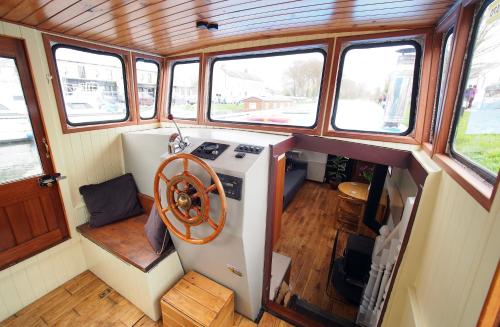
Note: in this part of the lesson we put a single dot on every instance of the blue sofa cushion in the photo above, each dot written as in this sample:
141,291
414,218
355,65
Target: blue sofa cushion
293,181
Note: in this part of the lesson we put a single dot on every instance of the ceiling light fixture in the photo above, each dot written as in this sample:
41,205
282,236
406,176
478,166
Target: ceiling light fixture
202,25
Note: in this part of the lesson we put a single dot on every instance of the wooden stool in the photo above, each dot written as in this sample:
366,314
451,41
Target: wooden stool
197,301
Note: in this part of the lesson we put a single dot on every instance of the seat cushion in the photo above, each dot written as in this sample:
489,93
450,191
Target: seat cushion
127,240
156,231
293,181
112,200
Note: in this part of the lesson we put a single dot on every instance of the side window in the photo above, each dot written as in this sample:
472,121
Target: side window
183,100
280,88
475,138
92,84
148,79
377,88
441,86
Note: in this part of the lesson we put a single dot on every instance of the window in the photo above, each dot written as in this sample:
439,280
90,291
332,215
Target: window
441,86
92,84
274,89
148,79
184,78
475,139
19,158
377,87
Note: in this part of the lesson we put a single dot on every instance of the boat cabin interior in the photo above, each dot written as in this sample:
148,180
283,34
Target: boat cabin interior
250,163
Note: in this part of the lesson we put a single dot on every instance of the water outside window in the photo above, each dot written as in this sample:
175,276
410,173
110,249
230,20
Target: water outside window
477,134
147,84
279,90
92,85
19,157
376,89
184,92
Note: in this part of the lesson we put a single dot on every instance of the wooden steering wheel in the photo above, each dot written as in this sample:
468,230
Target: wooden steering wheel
188,199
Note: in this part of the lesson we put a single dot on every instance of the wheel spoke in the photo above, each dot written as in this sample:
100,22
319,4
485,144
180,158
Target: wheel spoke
210,188
195,195
188,231
164,178
164,210
212,223
186,165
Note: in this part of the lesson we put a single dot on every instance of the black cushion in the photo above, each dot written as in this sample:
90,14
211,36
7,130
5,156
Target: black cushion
293,181
111,201
156,231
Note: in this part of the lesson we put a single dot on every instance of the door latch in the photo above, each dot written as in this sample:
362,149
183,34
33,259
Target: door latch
49,180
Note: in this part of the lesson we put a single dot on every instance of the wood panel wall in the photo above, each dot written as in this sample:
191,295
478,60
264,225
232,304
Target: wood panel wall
86,157
445,277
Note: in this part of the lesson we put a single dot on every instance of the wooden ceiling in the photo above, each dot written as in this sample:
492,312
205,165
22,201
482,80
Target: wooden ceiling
168,26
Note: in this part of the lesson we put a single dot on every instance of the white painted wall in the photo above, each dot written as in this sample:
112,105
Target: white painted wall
87,157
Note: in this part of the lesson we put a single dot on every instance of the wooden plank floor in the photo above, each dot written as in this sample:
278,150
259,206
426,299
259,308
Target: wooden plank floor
87,301
269,320
307,236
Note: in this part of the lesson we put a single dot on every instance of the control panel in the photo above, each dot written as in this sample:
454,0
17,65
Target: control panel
210,150
232,186
249,148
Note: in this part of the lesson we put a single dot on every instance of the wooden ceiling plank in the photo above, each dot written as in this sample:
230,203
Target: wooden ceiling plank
206,13
70,12
171,5
24,9
128,7
292,28
309,30
46,12
283,33
7,5
222,17
320,19
286,15
92,14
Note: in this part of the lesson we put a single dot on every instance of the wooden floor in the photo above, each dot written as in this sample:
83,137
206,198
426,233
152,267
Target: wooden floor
88,301
307,236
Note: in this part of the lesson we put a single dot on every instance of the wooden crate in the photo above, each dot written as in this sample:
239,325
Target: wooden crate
197,301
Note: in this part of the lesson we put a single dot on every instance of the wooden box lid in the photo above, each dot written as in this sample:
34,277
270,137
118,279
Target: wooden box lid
199,298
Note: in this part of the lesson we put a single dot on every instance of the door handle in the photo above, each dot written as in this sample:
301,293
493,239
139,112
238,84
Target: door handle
50,180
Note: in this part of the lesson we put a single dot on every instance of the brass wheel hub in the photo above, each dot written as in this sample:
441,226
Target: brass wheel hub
184,201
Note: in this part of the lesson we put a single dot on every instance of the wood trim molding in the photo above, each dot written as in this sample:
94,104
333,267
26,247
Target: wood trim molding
490,314
48,41
341,42
482,191
159,92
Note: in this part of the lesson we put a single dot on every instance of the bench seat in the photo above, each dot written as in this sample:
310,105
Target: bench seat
127,240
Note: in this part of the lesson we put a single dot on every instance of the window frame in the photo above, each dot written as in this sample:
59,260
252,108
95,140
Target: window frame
424,37
51,42
159,86
171,69
483,173
415,83
324,44
481,190
438,105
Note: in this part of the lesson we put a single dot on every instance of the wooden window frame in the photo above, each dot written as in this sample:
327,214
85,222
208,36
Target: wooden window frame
341,43
170,63
447,23
482,191
325,44
51,40
159,87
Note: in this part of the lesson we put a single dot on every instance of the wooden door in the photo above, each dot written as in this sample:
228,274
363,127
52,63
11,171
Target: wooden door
31,216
